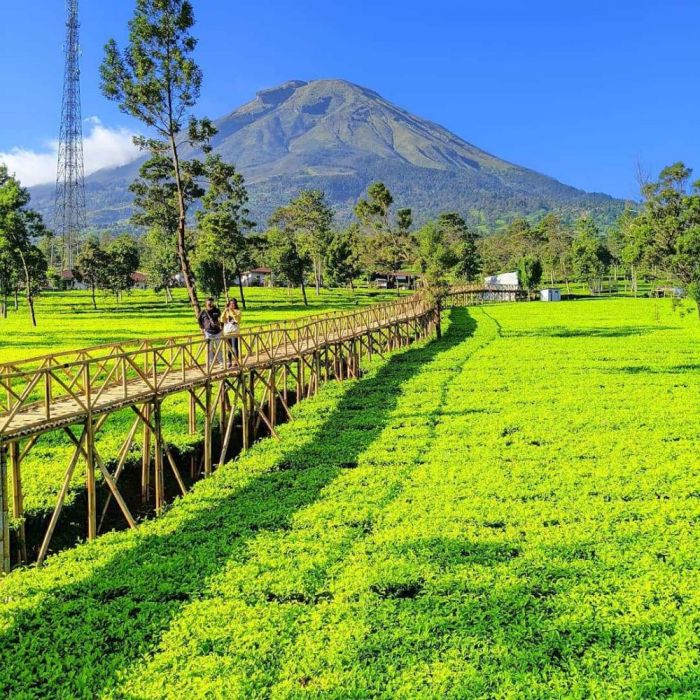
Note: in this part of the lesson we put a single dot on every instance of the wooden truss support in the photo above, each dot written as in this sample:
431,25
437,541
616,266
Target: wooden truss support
106,475
155,428
192,417
158,457
121,461
226,435
43,551
208,427
5,561
146,457
18,501
272,400
90,484
257,409
245,415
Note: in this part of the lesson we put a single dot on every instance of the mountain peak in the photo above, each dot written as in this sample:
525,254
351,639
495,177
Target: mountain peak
334,135
276,95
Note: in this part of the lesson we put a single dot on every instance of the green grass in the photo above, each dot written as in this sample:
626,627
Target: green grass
66,321
508,513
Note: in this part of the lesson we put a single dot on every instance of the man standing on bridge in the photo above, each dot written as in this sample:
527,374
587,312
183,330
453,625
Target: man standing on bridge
210,323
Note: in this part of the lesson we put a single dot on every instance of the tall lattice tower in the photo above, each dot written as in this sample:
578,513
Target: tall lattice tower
69,218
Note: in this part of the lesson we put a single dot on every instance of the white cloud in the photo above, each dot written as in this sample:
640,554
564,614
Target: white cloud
102,148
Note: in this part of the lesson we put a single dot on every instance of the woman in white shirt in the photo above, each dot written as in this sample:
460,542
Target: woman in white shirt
232,322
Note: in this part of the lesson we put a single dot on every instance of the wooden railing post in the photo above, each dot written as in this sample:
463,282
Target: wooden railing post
4,515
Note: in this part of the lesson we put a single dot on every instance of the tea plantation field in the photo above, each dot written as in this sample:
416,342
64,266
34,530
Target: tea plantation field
67,321
511,512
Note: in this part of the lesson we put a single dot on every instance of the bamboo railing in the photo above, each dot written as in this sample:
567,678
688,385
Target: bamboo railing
62,387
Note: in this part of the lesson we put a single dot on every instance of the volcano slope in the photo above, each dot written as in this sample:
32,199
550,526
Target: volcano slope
508,512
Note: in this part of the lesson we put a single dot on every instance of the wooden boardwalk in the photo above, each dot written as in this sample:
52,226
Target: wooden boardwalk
243,390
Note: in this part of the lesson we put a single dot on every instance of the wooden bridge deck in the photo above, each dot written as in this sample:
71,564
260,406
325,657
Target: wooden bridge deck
48,414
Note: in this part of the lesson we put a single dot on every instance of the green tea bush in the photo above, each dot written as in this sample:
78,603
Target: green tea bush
508,513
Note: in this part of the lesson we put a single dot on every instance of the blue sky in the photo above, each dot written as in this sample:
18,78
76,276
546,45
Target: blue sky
582,91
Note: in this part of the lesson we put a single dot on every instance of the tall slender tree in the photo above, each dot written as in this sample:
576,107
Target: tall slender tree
342,257
393,238
464,242
8,276
589,256
309,217
92,266
287,259
122,261
20,228
224,217
159,260
156,80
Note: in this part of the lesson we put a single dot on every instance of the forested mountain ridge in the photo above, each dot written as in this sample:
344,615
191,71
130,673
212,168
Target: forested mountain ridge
338,137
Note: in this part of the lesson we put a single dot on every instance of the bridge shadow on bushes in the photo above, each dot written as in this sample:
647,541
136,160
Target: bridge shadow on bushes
80,637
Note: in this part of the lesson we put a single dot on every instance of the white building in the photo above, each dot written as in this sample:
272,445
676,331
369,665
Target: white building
139,280
550,294
70,280
504,279
258,277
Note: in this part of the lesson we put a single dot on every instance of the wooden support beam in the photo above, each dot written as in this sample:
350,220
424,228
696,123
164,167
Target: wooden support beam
90,484
18,500
317,371
159,486
285,381
226,436
176,471
245,415
251,405
117,495
258,410
223,406
192,417
207,429
146,456
5,560
272,400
